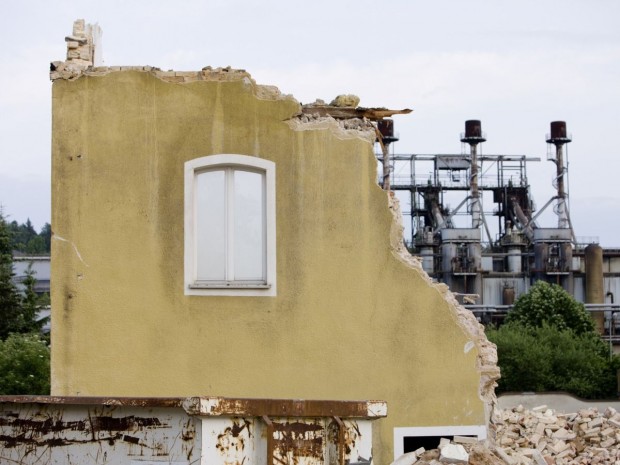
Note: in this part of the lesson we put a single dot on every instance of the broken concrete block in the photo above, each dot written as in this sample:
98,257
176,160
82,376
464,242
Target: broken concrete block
505,457
608,443
464,440
443,442
454,453
406,459
595,422
559,446
564,434
537,457
348,100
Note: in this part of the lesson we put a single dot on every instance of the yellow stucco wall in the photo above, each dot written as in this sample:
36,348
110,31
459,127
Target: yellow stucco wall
351,320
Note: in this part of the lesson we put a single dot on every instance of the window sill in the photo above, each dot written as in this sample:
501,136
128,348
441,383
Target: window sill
231,285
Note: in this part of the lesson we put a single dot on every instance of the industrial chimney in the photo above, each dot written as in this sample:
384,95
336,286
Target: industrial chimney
559,138
474,136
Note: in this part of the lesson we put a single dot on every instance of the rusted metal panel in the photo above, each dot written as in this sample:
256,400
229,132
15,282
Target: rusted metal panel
285,441
284,407
60,433
356,442
85,400
201,430
233,441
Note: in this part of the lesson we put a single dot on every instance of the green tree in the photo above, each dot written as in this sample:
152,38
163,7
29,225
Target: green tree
24,354
46,234
25,239
24,365
550,304
549,343
11,319
18,312
32,304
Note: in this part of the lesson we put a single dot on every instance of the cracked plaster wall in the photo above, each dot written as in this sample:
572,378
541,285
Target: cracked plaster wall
355,316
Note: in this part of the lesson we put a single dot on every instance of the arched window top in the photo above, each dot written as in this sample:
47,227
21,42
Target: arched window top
212,161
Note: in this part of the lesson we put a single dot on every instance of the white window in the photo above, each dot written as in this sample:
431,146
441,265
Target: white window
230,226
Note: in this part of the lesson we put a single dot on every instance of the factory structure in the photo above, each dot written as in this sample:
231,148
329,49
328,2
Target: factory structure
495,254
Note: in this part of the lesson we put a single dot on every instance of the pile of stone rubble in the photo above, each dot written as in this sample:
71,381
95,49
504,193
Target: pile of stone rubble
538,437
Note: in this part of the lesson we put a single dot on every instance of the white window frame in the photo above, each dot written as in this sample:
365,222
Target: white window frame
480,431
243,162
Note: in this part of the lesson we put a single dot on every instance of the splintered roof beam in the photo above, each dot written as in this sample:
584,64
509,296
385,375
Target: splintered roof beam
372,114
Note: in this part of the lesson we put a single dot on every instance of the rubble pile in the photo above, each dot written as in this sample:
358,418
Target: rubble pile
539,436
542,436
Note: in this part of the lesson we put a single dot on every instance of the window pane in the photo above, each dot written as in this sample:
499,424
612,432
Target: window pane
249,229
211,225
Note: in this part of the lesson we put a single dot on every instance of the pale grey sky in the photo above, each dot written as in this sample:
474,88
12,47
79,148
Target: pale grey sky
516,66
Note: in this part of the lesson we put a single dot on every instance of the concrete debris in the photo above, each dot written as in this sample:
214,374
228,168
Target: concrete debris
348,100
406,459
453,453
540,436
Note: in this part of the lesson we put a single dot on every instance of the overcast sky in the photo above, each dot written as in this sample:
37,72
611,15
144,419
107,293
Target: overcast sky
516,66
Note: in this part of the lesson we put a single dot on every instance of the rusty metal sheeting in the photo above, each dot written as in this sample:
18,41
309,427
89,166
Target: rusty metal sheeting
61,433
284,407
294,441
84,400
198,430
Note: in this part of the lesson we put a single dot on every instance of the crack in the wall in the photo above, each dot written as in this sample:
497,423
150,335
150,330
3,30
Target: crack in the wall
77,252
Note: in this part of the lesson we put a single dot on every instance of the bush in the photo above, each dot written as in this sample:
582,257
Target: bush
548,358
550,304
549,343
24,365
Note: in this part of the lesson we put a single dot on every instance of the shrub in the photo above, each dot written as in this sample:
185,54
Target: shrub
550,304
24,365
548,358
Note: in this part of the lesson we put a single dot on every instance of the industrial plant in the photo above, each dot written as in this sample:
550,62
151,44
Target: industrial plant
499,246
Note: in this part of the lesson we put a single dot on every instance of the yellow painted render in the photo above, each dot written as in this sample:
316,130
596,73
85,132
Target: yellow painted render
354,317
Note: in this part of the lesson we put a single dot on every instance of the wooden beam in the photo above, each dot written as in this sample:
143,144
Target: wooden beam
372,114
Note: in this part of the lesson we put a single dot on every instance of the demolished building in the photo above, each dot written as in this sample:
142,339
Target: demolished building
212,236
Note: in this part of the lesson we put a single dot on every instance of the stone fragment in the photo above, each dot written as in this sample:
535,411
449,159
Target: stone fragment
608,442
464,440
406,459
559,446
608,431
538,458
564,434
443,442
429,455
347,100
480,455
505,457
595,422
453,453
